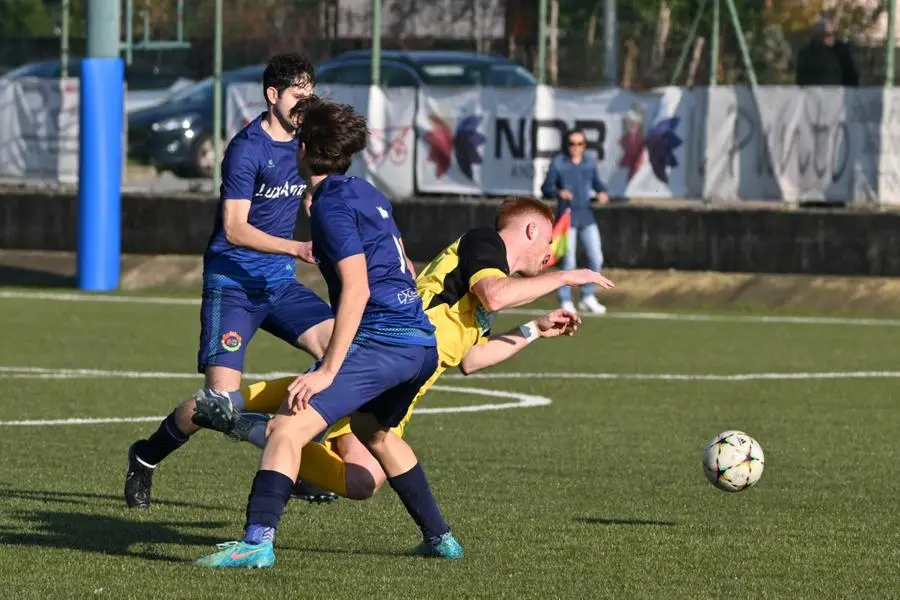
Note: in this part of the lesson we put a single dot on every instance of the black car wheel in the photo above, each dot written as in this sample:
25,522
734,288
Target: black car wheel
202,157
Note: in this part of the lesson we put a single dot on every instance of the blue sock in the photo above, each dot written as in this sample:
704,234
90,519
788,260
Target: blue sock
257,534
415,493
237,400
269,495
164,441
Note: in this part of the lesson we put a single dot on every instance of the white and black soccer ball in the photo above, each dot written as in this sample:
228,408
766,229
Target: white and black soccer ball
733,461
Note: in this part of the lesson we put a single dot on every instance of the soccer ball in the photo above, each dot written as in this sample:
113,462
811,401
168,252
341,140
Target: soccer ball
733,461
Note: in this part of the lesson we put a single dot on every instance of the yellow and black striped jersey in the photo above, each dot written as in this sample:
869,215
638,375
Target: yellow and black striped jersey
445,286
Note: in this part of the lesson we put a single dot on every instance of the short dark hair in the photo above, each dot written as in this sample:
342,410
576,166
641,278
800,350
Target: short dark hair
284,70
573,131
331,134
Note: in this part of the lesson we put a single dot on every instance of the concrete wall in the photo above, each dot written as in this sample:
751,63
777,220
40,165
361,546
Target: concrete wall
652,237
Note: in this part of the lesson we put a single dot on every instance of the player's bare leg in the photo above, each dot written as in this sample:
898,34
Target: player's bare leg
314,340
341,466
406,476
218,412
144,455
288,432
364,476
215,406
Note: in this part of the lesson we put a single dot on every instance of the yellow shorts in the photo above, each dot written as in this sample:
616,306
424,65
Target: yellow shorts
267,396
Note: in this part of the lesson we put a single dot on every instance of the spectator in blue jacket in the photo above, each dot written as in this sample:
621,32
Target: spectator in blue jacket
575,183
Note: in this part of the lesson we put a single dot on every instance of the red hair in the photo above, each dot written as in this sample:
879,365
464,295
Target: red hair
512,208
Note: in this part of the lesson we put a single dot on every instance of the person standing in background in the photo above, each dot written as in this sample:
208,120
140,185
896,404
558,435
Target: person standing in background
826,61
574,182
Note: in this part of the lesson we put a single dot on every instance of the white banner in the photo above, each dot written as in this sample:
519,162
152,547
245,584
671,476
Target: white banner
881,111
388,161
243,103
501,141
39,128
795,144
724,143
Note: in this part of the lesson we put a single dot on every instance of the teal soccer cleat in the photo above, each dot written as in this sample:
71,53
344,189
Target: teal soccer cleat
447,547
240,555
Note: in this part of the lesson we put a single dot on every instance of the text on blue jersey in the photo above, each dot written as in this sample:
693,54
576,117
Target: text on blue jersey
263,171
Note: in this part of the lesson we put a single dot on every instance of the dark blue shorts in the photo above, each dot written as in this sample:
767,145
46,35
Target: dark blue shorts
379,379
229,316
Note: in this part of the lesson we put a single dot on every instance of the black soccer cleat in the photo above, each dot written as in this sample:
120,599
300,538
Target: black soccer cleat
311,493
138,481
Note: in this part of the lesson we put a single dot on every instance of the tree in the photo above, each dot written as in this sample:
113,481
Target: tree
25,17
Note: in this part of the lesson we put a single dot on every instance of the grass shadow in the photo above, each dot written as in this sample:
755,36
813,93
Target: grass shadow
118,535
624,521
103,534
44,496
34,277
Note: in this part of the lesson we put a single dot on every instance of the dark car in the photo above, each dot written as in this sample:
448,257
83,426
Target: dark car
177,135
147,84
430,68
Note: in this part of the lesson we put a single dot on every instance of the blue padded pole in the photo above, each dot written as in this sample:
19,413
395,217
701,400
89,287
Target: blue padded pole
100,150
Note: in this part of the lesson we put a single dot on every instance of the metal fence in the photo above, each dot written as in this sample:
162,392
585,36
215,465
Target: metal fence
636,46
653,39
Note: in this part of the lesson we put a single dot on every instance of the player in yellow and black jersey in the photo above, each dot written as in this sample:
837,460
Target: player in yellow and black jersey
460,289
446,288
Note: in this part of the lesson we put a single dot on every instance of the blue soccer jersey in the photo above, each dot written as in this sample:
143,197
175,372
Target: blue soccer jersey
350,216
263,171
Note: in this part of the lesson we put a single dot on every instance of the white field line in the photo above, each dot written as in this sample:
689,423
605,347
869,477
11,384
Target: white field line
519,400
12,372
642,316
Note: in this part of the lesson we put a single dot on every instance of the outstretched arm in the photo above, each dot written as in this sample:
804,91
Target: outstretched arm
497,293
506,345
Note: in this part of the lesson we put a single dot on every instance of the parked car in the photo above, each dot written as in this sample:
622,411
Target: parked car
177,135
432,68
147,84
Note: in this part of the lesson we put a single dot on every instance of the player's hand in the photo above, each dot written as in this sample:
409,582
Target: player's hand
304,252
585,276
565,194
558,322
305,387
602,198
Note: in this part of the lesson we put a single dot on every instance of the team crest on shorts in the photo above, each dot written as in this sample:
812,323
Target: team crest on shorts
231,341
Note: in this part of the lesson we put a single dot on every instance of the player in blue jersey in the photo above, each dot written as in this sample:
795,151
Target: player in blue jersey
382,350
248,267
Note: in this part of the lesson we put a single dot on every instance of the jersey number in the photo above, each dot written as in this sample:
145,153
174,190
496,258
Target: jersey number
400,252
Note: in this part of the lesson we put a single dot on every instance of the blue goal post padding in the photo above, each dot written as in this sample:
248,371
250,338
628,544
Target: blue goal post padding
101,113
